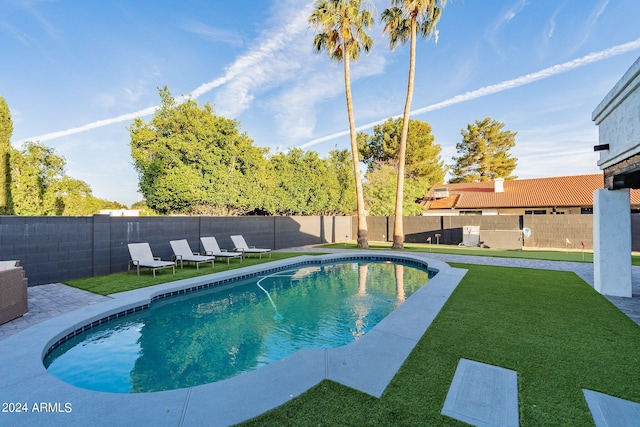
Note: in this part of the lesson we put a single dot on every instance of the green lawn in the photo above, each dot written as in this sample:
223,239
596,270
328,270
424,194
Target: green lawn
120,282
551,327
557,255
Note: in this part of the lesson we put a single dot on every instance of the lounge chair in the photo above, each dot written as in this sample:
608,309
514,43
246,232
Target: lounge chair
241,246
210,245
183,253
141,256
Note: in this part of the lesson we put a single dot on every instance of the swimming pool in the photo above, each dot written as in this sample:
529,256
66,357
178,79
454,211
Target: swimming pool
229,327
367,365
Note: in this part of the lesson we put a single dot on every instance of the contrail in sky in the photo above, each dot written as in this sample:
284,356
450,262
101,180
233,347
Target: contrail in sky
249,60
499,87
247,64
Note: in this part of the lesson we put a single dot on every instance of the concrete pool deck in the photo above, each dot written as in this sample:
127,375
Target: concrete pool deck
368,364
190,406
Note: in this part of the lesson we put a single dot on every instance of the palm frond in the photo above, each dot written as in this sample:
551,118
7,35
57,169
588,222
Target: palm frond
344,24
397,19
396,25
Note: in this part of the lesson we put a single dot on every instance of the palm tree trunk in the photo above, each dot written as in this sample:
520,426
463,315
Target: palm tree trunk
398,226
362,217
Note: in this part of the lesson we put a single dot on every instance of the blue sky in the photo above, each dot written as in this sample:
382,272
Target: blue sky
75,73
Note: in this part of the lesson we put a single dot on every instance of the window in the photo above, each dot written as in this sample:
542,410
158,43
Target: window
586,211
535,212
470,212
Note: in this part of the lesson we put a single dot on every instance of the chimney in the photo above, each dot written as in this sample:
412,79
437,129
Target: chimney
498,185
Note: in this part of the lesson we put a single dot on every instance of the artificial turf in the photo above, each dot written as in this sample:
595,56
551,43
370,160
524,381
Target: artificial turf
551,327
548,255
120,282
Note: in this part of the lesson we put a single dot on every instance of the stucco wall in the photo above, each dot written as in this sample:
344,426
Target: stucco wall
618,119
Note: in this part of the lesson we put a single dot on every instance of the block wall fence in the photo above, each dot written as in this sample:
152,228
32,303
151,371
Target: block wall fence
55,249
547,231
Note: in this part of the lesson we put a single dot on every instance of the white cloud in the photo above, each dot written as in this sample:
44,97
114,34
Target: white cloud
31,8
213,34
126,96
565,132
296,105
269,64
549,32
558,161
247,74
503,20
499,87
21,36
591,22
93,125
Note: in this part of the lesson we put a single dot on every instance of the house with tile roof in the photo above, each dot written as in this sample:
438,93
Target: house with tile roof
538,196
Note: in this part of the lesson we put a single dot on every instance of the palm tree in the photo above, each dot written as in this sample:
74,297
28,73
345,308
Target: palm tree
403,21
341,28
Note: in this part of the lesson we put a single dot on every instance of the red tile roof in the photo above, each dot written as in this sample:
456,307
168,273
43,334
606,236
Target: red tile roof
561,191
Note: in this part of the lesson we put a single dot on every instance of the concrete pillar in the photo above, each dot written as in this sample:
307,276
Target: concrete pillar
612,242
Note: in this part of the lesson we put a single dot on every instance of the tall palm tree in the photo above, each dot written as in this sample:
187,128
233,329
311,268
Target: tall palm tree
404,21
341,26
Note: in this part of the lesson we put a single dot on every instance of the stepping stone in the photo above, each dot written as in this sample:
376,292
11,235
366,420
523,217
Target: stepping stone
609,411
483,395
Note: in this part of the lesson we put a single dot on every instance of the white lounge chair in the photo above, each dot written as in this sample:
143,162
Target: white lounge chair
241,246
183,253
141,256
210,245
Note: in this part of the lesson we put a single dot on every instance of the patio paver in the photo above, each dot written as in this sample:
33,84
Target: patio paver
483,395
610,411
48,301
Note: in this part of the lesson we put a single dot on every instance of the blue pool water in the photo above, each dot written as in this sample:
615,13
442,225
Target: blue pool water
213,334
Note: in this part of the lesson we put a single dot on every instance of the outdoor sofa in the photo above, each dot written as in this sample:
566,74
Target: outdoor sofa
13,291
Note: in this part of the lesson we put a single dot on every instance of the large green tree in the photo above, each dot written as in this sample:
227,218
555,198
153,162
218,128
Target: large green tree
422,159
6,130
36,171
380,189
303,184
190,160
340,164
424,166
404,21
341,26
39,185
484,153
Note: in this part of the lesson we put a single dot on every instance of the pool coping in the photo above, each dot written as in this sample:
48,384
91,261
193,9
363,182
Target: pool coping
367,365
